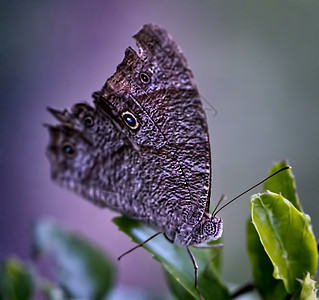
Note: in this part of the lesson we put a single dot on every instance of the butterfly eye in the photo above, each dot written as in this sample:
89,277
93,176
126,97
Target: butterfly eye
68,149
130,120
88,121
209,228
144,77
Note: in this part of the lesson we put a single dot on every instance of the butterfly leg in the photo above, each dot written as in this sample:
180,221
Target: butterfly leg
191,255
139,245
208,246
219,246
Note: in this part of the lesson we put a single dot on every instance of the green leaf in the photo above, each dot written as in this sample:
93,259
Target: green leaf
268,287
283,183
16,280
308,291
83,270
287,237
177,263
176,288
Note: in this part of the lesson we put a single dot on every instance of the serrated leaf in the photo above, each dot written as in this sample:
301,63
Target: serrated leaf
268,287
287,237
176,261
283,183
83,270
16,280
309,290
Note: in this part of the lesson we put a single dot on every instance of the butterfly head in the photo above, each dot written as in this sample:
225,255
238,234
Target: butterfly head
209,228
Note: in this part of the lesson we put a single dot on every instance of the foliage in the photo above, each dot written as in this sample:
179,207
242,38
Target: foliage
16,281
83,271
280,242
177,263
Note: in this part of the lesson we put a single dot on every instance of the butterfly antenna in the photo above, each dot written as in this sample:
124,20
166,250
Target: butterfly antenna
216,212
139,245
222,198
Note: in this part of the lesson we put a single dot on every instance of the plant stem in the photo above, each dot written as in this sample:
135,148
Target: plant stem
244,289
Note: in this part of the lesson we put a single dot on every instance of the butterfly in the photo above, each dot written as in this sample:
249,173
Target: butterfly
143,149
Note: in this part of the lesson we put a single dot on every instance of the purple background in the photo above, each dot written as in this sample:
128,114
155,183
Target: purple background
256,63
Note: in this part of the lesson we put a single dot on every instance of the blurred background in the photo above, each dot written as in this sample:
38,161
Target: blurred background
256,62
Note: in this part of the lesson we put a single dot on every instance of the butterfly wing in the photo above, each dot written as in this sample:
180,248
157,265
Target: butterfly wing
84,151
158,89
144,149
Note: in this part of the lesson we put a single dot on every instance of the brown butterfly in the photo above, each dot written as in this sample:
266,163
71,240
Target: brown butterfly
143,150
